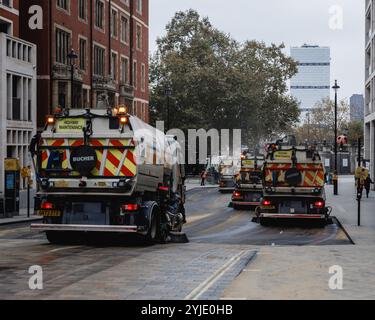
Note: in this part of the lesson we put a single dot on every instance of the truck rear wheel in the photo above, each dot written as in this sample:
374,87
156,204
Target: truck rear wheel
156,233
152,232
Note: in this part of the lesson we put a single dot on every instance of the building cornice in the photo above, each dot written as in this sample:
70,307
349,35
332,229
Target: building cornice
370,117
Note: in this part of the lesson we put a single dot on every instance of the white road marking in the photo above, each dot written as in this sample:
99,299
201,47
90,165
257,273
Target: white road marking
251,270
204,286
65,248
197,218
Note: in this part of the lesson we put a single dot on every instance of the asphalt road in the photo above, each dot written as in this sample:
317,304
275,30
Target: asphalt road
223,225
222,243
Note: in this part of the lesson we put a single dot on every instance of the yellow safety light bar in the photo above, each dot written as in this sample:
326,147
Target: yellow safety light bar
120,110
50,120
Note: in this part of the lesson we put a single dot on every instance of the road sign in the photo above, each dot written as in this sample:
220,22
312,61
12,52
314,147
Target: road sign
70,125
11,164
283,155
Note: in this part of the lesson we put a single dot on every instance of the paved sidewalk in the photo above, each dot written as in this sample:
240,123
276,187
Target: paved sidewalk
345,207
303,272
21,218
195,183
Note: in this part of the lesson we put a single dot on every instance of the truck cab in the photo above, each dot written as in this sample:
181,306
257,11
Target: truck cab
249,187
293,185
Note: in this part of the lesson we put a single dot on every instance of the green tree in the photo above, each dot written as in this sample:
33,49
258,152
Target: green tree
355,131
218,82
320,124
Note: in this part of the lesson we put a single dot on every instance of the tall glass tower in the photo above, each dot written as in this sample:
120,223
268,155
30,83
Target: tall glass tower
312,82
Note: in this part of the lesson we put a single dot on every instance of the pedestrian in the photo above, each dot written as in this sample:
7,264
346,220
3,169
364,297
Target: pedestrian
368,183
203,178
330,179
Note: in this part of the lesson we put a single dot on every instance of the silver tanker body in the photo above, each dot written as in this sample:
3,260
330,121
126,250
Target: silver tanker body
107,171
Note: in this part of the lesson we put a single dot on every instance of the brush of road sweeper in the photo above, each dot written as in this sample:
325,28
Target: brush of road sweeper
178,237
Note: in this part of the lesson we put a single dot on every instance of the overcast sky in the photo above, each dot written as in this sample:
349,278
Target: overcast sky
293,22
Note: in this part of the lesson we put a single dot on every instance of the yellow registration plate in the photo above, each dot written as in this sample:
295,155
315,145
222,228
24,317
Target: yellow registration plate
49,213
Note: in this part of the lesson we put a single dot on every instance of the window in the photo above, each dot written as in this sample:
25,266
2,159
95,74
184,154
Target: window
7,3
124,29
135,73
99,14
99,62
139,37
114,66
125,70
139,6
63,44
82,9
114,23
5,26
82,54
62,94
85,102
143,77
63,4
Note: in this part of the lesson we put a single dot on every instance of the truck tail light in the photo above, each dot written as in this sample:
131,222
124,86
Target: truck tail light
47,205
237,195
319,204
266,203
130,207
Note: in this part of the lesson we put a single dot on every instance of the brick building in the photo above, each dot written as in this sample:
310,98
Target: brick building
17,90
370,86
9,17
110,38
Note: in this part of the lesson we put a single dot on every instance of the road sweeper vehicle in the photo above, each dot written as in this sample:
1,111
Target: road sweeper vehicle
228,168
249,182
106,171
293,185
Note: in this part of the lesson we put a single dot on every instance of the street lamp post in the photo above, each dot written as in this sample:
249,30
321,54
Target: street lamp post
72,57
335,180
168,93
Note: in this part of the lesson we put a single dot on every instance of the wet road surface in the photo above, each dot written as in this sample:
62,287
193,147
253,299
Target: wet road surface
223,225
222,242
